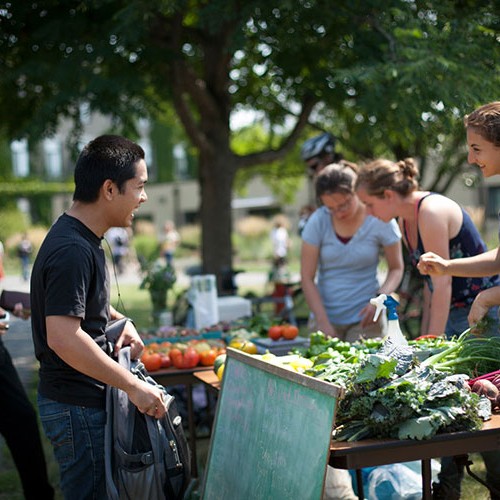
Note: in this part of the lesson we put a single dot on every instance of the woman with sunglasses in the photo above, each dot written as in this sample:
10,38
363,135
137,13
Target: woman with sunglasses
340,252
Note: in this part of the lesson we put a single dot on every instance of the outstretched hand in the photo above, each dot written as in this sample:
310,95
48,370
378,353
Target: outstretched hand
433,264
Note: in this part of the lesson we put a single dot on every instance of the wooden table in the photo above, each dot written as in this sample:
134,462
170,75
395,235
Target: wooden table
210,379
372,452
187,378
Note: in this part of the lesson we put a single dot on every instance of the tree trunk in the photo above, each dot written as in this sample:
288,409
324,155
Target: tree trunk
216,182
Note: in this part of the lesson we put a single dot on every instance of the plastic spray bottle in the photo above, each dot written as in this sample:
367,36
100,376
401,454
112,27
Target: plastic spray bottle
394,332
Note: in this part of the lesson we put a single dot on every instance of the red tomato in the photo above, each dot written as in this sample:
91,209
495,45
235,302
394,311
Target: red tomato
187,359
207,358
176,357
151,360
191,358
289,332
275,332
166,362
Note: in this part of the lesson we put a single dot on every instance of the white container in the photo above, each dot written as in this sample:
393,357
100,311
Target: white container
233,307
203,297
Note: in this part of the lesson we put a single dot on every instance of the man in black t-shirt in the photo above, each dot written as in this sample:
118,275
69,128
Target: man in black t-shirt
70,310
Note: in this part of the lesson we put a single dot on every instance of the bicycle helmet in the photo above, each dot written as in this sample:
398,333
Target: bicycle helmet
318,146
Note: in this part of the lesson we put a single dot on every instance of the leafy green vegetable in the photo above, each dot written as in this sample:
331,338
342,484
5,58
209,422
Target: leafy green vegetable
415,405
469,354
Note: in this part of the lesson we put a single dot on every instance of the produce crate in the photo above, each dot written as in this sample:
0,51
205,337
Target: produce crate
214,334
279,347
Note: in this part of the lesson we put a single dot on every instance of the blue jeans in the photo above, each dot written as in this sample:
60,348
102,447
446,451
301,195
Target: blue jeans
77,436
451,474
457,322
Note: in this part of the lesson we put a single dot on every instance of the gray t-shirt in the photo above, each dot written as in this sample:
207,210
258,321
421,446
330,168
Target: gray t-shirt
347,273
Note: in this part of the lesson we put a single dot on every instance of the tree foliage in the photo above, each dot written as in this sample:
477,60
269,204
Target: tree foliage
388,77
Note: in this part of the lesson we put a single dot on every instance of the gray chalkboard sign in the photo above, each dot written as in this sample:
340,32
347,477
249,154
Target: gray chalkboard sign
271,435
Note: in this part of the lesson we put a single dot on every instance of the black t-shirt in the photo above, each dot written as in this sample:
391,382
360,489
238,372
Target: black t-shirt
69,278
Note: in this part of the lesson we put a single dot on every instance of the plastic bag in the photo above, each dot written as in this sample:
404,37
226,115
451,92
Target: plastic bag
401,481
202,296
397,481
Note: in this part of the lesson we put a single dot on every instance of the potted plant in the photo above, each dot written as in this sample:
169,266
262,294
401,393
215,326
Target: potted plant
158,279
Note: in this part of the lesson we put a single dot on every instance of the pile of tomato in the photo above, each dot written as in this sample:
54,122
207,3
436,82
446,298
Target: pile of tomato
182,355
285,331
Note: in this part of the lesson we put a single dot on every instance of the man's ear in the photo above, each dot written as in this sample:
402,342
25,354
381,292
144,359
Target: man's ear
108,189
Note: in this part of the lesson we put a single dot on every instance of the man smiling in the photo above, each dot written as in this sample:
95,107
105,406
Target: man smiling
71,308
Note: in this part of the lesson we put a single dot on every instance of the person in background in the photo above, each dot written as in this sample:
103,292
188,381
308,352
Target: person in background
119,243
70,309
280,240
433,222
2,253
24,251
318,152
170,241
483,141
19,423
341,244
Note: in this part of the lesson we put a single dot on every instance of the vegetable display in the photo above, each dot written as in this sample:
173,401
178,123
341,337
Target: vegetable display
417,404
395,392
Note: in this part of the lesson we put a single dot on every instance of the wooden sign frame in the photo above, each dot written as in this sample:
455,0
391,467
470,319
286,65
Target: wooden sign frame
272,432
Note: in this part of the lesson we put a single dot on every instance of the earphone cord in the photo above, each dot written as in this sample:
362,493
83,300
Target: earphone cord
120,306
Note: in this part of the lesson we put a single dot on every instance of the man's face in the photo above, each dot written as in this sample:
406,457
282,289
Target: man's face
483,153
134,194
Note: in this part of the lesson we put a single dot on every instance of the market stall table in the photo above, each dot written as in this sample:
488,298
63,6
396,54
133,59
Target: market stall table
373,452
186,377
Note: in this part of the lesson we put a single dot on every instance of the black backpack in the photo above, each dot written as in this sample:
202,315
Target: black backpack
145,457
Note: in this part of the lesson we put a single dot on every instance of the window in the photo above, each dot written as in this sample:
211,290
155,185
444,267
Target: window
20,158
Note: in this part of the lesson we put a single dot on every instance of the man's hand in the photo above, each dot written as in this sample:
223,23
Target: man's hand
130,337
148,399
20,311
4,321
433,264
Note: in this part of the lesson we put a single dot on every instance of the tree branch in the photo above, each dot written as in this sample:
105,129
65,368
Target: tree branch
270,155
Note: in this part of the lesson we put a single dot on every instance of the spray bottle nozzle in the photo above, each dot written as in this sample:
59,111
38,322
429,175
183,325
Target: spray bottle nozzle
379,303
383,302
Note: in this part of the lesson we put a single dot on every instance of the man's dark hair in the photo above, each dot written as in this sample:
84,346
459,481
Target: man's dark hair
106,157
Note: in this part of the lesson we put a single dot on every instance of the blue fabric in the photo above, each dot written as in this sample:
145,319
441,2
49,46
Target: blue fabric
458,323
467,243
347,272
77,436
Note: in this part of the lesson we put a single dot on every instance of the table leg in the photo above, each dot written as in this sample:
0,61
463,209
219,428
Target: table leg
426,480
192,430
359,482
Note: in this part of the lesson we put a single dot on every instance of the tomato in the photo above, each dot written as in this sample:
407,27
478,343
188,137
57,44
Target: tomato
175,356
151,360
289,332
275,332
191,358
166,362
207,358
187,359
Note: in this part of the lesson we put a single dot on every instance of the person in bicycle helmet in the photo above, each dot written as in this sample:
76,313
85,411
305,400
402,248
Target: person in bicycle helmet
318,152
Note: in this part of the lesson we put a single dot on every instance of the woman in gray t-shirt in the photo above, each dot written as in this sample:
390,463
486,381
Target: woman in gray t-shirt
340,254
